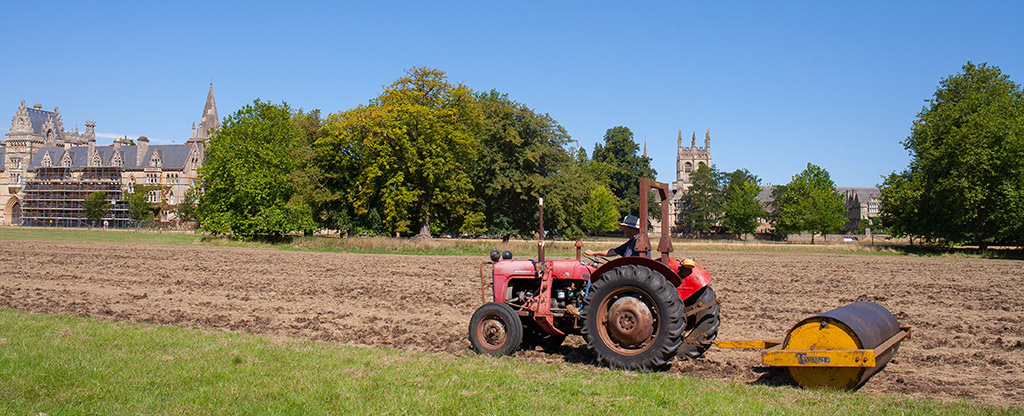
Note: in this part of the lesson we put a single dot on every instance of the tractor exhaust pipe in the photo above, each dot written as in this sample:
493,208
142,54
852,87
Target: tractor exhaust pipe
540,245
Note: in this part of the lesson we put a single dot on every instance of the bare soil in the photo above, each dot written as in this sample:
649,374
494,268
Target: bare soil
967,340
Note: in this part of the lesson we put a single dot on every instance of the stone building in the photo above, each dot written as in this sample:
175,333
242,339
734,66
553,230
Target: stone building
48,171
688,159
861,203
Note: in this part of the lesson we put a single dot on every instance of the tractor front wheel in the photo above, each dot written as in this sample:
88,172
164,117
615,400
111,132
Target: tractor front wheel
495,329
633,319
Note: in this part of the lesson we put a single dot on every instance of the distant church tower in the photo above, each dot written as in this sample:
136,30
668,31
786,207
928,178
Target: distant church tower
688,159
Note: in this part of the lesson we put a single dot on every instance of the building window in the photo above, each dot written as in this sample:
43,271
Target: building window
47,163
153,196
66,162
152,178
16,162
687,168
17,178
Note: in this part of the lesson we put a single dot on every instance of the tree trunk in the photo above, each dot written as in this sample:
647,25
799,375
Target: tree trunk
424,233
812,238
424,230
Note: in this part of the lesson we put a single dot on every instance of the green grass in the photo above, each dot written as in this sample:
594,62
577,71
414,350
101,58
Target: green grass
70,365
464,247
97,235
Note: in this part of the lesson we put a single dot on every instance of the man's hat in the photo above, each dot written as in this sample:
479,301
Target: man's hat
631,221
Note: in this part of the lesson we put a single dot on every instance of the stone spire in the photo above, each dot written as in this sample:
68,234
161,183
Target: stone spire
59,121
20,123
707,140
679,144
645,147
693,140
210,120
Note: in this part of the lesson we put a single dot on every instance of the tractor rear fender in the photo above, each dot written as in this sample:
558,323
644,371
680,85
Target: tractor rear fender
688,282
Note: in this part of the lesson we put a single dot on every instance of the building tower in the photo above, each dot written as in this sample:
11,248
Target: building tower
688,159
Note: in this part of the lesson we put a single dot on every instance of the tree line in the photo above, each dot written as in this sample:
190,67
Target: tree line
423,158
719,202
428,157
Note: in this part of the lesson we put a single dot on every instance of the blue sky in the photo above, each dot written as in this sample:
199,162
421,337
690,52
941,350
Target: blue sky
779,84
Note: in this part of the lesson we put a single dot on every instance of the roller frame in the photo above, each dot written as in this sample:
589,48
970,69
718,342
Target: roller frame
775,356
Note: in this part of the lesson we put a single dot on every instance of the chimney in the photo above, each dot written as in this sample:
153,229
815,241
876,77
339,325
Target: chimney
143,147
90,131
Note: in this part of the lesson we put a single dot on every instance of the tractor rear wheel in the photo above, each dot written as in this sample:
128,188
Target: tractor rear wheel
495,329
703,326
633,319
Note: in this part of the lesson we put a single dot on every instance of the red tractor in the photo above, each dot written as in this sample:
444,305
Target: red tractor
634,312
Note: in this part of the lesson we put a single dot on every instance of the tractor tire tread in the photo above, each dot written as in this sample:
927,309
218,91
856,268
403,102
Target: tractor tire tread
703,326
672,320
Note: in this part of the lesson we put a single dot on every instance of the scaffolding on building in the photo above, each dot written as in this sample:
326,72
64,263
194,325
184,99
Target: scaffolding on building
54,198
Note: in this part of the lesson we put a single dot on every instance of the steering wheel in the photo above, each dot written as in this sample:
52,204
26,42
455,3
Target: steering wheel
595,260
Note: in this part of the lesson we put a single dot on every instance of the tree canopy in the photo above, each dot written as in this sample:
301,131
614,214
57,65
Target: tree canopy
247,187
520,151
405,158
809,202
599,213
95,206
741,210
626,167
965,181
702,202
140,210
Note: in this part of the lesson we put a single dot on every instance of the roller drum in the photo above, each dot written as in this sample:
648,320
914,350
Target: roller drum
860,325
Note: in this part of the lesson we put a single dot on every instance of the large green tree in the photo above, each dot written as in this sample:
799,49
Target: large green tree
741,210
620,152
247,188
520,150
965,181
406,157
809,202
95,206
702,203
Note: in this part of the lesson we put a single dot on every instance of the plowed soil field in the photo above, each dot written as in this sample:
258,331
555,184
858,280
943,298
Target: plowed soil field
967,314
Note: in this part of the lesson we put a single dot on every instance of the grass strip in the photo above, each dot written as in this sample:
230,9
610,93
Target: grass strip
71,365
481,247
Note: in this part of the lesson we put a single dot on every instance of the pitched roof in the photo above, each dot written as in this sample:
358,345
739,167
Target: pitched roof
173,156
38,117
863,193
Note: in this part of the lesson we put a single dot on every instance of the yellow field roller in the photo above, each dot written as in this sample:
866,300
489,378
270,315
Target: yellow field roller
839,349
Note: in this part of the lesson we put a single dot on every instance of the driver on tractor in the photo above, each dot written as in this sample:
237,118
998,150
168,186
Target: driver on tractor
631,228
